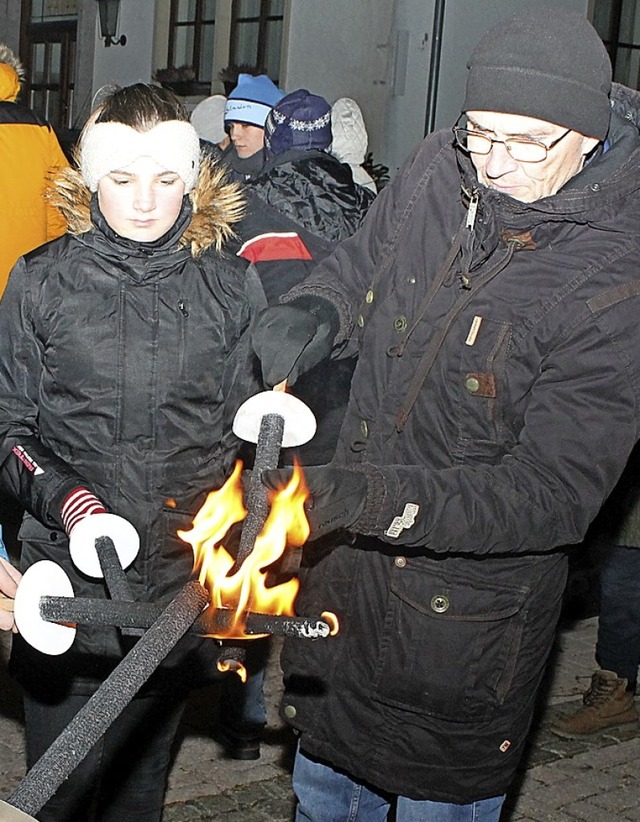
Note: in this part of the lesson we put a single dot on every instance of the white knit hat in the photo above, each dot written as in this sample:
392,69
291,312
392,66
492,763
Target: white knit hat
208,118
349,131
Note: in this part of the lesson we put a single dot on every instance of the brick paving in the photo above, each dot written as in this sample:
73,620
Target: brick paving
560,780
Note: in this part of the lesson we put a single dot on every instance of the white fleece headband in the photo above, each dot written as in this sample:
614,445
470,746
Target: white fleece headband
108,147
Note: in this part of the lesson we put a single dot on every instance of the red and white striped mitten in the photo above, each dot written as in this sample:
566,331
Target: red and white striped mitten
85,519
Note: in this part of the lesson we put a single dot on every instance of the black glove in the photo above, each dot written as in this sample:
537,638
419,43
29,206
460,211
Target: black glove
337,495
290,339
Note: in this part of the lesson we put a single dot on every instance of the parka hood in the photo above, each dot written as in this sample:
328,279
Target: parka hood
216,205
11,74
350,137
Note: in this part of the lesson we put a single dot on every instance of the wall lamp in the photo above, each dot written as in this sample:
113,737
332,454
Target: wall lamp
109,11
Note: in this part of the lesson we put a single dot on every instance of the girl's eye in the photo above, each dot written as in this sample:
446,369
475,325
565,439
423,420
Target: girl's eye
121,181
168,181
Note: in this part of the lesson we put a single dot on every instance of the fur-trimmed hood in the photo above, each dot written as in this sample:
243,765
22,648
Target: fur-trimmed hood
12,74
217,205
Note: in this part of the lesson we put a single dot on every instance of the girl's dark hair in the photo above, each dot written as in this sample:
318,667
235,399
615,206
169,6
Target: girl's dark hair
141,107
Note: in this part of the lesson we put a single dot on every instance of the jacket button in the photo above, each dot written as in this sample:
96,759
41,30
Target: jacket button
289,711
472,385
400,324
364,428
53,536
360,321
400,562
440,603
370,297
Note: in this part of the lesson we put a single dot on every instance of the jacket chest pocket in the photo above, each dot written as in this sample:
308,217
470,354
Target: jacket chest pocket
201,344
449,647
481,389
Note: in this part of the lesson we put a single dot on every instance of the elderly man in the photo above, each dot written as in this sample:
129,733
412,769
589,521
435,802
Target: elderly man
492,296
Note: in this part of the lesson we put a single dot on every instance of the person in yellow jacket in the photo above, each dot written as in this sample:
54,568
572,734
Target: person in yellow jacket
29,153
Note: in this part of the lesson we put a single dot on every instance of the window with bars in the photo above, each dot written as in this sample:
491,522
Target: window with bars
255,30
48,49
191,34
256,34
618,23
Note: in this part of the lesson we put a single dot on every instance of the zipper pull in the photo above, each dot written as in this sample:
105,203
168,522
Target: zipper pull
472,211
184,309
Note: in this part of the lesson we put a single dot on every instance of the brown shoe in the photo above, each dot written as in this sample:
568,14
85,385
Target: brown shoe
606,705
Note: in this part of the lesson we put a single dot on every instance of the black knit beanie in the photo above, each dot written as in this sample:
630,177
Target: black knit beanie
544,63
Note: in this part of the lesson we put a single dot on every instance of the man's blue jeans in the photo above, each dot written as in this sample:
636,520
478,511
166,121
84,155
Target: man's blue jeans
618,643
325,795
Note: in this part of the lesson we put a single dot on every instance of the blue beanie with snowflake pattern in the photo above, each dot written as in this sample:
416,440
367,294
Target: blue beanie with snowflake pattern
300,120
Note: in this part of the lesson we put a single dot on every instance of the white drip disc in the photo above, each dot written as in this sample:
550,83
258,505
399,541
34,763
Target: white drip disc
299,420
42,579
82,542
9,813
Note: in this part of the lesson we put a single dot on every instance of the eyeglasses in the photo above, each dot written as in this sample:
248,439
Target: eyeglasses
522,150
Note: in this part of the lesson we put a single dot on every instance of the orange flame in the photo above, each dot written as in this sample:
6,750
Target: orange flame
247,588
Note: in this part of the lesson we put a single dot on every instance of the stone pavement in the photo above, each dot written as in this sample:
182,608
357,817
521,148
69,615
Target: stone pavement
560,781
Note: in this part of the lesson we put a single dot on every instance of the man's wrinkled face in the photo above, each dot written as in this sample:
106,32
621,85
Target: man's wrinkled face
247,139
527,181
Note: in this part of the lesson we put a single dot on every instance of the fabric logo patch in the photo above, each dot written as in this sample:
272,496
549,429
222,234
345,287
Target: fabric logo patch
407,519
26,460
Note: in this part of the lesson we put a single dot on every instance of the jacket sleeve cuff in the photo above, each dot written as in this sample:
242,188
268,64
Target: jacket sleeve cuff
338,303
382,491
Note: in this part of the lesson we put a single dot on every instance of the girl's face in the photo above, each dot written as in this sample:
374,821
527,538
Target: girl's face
142,201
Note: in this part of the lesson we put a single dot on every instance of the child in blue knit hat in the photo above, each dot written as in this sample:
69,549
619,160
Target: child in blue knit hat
245,113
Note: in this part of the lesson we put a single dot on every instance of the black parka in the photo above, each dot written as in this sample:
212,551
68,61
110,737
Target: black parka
312,196
123,366
494,404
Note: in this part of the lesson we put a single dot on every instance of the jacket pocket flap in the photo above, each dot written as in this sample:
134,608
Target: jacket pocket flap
33,531
458,598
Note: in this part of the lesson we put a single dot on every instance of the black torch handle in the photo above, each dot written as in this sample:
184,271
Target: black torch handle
141,615
93,720
115,577
267,456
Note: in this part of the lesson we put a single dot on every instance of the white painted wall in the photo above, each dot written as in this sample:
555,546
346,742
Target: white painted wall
339,48
133,62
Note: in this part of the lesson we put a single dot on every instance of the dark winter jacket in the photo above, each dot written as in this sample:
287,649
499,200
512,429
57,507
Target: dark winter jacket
495,402
299,207
123,365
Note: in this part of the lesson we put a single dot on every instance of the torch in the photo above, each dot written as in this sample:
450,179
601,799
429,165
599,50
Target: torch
47,612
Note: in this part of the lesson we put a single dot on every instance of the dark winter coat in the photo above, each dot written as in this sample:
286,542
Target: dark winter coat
123,365
493,407
299,208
